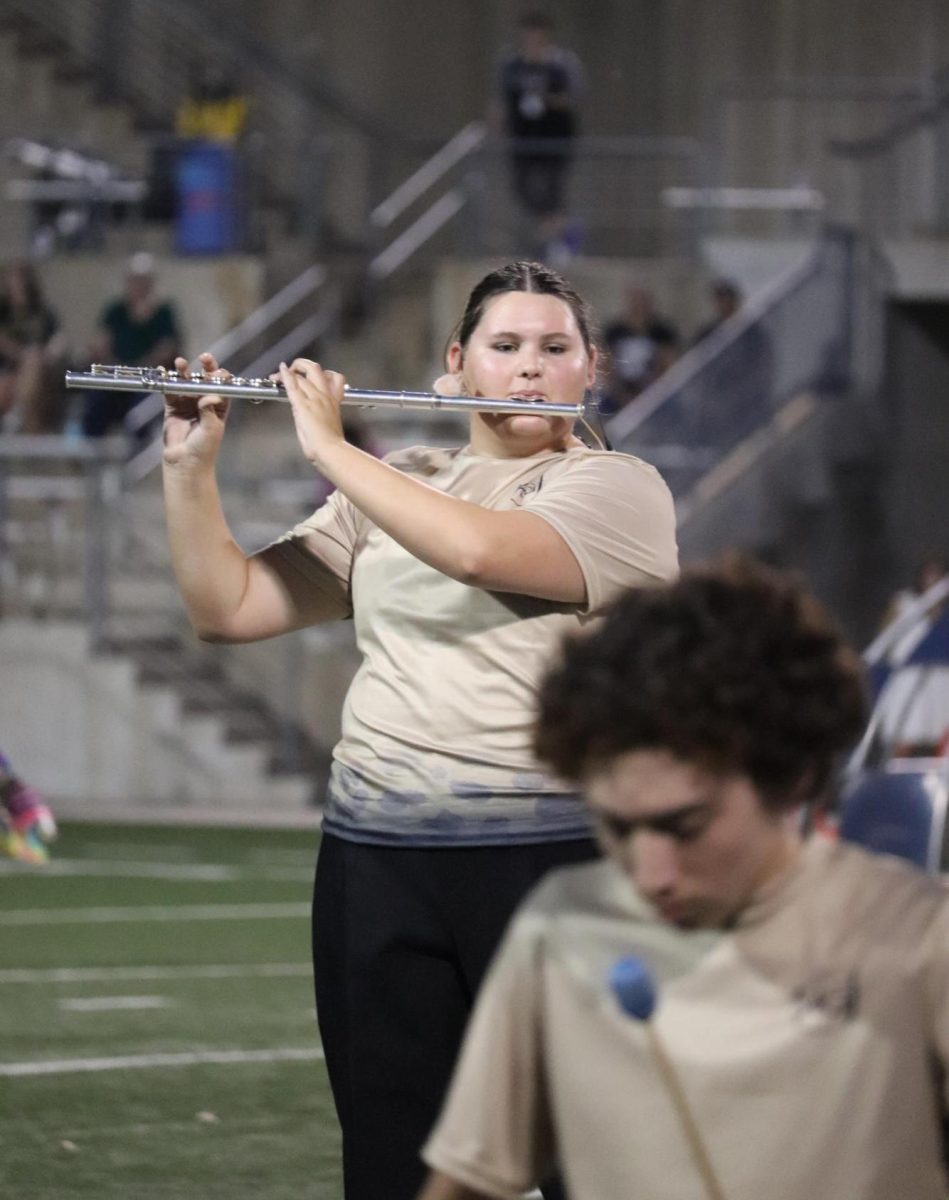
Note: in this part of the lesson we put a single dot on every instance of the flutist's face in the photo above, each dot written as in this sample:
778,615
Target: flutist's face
526,346
696,845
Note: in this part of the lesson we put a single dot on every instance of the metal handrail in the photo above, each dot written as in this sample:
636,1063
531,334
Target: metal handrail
794,199
434,169
409,242
906,622
899,130
469,146
824,87
877,651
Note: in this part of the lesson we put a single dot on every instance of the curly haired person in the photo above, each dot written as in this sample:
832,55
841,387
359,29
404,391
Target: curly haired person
800,1043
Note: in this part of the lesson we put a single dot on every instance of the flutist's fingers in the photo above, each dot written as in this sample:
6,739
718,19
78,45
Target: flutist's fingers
194,425
315,397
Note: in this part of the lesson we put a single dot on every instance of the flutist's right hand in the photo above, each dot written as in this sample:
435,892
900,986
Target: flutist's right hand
194,425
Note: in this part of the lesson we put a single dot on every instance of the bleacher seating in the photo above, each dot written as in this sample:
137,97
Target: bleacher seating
901,811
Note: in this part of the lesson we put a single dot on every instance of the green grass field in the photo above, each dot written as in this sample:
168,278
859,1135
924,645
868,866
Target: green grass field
159,1036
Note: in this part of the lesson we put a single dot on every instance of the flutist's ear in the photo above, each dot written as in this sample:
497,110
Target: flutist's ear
448,385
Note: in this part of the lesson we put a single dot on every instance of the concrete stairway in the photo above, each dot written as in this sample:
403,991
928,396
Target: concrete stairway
46,97
88,729
149,716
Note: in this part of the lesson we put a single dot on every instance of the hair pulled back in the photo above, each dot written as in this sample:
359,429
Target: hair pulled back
524,276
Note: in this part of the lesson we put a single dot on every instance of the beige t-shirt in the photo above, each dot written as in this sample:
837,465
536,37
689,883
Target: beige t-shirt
812,1043
437,722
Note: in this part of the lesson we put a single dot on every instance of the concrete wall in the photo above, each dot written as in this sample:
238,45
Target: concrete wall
653,65
84,732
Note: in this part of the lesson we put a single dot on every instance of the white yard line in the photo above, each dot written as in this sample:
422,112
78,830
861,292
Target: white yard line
131,974
150,1062
96,1004
84,1134
141,852
176,913
270,855
196,872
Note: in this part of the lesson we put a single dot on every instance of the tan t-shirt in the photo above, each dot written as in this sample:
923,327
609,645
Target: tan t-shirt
812,1043
437,722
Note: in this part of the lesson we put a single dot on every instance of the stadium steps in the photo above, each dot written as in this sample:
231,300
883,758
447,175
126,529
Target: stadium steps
240,747
87,727
46,95
46,98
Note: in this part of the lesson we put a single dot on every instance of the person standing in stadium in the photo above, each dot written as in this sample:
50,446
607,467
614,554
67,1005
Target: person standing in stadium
461,569
539,88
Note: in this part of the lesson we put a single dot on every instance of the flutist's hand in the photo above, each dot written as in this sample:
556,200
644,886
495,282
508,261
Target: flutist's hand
315,397
194,425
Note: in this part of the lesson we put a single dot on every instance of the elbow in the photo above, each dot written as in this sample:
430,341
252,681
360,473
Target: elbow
214,634
213,637
472,565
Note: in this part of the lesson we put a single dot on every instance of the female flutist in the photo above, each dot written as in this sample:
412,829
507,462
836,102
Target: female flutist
462,570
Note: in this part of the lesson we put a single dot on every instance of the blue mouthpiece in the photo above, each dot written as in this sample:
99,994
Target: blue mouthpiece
633,987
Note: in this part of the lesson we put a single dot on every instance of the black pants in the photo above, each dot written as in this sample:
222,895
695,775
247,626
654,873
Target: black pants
539,182
103,411
401,940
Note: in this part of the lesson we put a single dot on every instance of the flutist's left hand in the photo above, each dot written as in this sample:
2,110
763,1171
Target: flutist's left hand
194,426
315,398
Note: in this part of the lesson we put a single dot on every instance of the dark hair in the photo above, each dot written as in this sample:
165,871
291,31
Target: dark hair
31,283
736,668
726,287
524,276
933,563
536,20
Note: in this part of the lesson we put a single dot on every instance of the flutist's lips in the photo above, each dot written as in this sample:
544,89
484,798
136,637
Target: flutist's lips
528,397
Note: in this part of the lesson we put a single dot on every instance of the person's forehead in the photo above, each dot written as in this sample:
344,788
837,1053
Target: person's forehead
651,782
513,310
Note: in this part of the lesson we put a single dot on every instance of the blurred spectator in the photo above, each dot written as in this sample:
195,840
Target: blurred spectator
213,110
740,376
641,346
26,824
137,329
927,574
539,87
913,704
726,298
32,355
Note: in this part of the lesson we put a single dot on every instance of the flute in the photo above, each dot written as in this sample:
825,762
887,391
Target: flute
158,379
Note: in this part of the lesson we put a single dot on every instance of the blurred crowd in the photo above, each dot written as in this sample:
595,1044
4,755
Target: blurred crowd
135,327
642,343
138,326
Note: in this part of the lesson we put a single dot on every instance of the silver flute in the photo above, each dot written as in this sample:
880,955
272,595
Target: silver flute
158,379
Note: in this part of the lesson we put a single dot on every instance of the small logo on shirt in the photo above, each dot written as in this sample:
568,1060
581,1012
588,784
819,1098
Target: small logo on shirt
835,994
523,490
